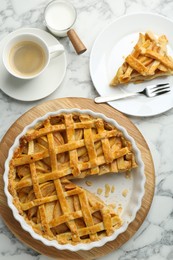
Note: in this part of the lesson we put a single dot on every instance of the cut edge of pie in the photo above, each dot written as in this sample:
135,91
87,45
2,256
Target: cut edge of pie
149,59
57,150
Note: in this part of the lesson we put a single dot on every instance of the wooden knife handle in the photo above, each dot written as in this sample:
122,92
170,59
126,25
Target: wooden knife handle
76,41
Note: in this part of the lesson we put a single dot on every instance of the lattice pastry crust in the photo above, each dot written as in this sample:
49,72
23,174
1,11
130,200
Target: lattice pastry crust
148,60
61,148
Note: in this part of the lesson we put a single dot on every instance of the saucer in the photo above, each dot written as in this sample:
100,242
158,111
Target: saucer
43,85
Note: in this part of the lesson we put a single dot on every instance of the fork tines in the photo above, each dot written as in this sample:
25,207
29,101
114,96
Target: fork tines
163,86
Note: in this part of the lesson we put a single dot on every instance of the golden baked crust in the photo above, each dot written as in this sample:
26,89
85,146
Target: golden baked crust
148,60
58,149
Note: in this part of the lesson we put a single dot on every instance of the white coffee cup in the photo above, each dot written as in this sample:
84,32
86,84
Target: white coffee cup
26,55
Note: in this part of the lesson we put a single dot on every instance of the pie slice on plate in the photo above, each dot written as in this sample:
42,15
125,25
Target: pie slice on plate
149,59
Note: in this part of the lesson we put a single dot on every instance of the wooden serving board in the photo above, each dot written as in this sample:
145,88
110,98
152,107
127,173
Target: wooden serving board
81,103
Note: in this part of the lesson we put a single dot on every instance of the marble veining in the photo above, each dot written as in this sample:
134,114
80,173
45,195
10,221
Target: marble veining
154,239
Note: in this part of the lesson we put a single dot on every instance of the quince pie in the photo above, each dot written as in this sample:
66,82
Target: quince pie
42,169
149,59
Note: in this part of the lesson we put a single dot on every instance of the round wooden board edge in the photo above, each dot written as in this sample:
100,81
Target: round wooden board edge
146,203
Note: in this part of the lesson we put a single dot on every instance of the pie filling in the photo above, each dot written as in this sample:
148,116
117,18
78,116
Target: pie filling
49,157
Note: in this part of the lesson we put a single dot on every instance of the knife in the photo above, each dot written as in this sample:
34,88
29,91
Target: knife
114,97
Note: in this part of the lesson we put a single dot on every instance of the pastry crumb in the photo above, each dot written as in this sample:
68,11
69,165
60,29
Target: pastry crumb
99,191
119,210
107,190
125,192
89,183
112,189
112,205
128,175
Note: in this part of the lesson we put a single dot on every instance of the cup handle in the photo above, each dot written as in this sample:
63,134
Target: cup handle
76,41
56,50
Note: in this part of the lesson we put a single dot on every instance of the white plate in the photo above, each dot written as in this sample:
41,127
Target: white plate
43,85
130,204
114,43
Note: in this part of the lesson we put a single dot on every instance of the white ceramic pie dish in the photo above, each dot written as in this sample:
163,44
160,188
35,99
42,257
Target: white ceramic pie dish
133,185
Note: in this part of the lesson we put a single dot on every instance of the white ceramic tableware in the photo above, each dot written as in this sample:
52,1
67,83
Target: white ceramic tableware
112,45
60,17
39,87
130,204
23,45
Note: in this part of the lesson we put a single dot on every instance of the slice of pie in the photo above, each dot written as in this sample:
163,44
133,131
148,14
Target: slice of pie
149,59
63,147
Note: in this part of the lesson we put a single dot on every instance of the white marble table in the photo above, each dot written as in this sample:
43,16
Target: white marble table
154,239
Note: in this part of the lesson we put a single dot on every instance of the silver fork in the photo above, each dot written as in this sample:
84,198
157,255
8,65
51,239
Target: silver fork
150,91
